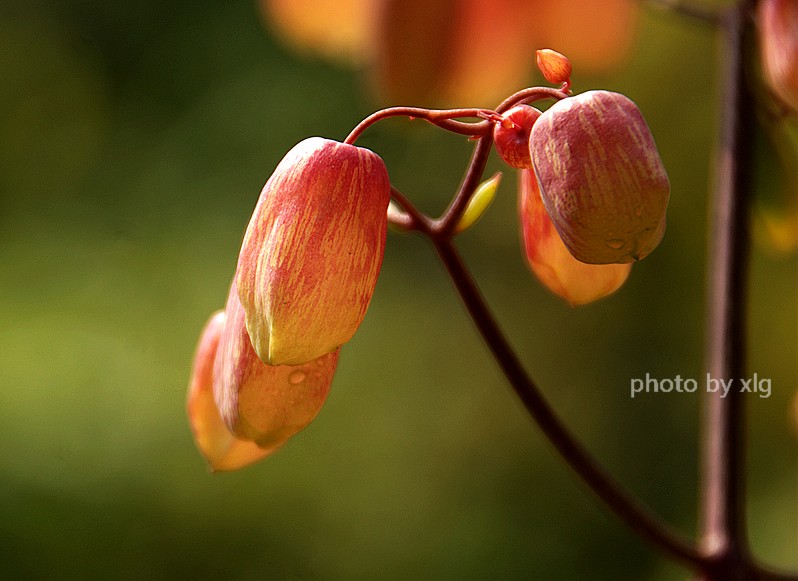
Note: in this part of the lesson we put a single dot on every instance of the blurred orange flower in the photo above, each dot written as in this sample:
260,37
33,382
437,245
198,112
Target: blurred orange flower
778,36
438,52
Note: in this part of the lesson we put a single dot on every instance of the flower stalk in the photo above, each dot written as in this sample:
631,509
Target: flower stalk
607,213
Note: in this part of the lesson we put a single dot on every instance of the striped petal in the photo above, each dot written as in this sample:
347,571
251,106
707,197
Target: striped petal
601,178
313,250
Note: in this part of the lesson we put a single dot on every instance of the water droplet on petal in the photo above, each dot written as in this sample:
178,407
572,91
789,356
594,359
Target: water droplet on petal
615,243
296,377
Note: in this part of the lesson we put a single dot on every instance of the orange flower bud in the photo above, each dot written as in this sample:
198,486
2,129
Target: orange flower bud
556,67
576,282
264,403
313,249
512,136
778,37
601,178
221,449
596,36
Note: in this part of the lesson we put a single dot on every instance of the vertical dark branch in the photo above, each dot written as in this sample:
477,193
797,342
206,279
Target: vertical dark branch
723,479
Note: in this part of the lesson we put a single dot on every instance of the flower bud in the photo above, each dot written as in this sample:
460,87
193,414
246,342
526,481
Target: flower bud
313,249
576,282
265,403
221,449
511,136
479,202
556,67
778,37
601,178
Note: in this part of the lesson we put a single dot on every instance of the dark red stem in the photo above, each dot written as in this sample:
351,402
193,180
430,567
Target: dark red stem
444,118
611,492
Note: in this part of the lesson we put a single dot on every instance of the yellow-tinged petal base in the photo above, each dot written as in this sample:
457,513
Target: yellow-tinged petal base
220,448
265,403
576,282
313,250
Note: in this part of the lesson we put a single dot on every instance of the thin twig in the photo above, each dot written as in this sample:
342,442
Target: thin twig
443,118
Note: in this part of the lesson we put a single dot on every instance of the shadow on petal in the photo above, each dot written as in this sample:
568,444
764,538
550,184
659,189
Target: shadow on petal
220,448
576,282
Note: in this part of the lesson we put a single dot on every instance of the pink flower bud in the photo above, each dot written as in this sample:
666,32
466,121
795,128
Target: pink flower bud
511,136
576,282
313,249
778,37
264,403
556,67
601,178
221,449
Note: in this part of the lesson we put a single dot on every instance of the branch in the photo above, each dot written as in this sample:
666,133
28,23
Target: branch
609,490
723,507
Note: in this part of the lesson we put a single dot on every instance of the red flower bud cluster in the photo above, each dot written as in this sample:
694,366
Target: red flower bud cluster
306,273
593,195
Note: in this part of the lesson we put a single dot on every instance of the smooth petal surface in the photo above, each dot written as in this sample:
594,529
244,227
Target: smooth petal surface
264,403
601,177
313,250
576,282
220,448
778,37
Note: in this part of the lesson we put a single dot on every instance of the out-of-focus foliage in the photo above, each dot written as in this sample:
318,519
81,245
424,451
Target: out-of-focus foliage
134,139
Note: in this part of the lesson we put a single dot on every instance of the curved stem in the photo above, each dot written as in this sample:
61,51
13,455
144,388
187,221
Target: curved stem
636,516
446,224
412,219
446,118
531,95
443,118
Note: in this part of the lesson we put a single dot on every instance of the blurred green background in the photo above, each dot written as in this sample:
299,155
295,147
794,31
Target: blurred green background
134,140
